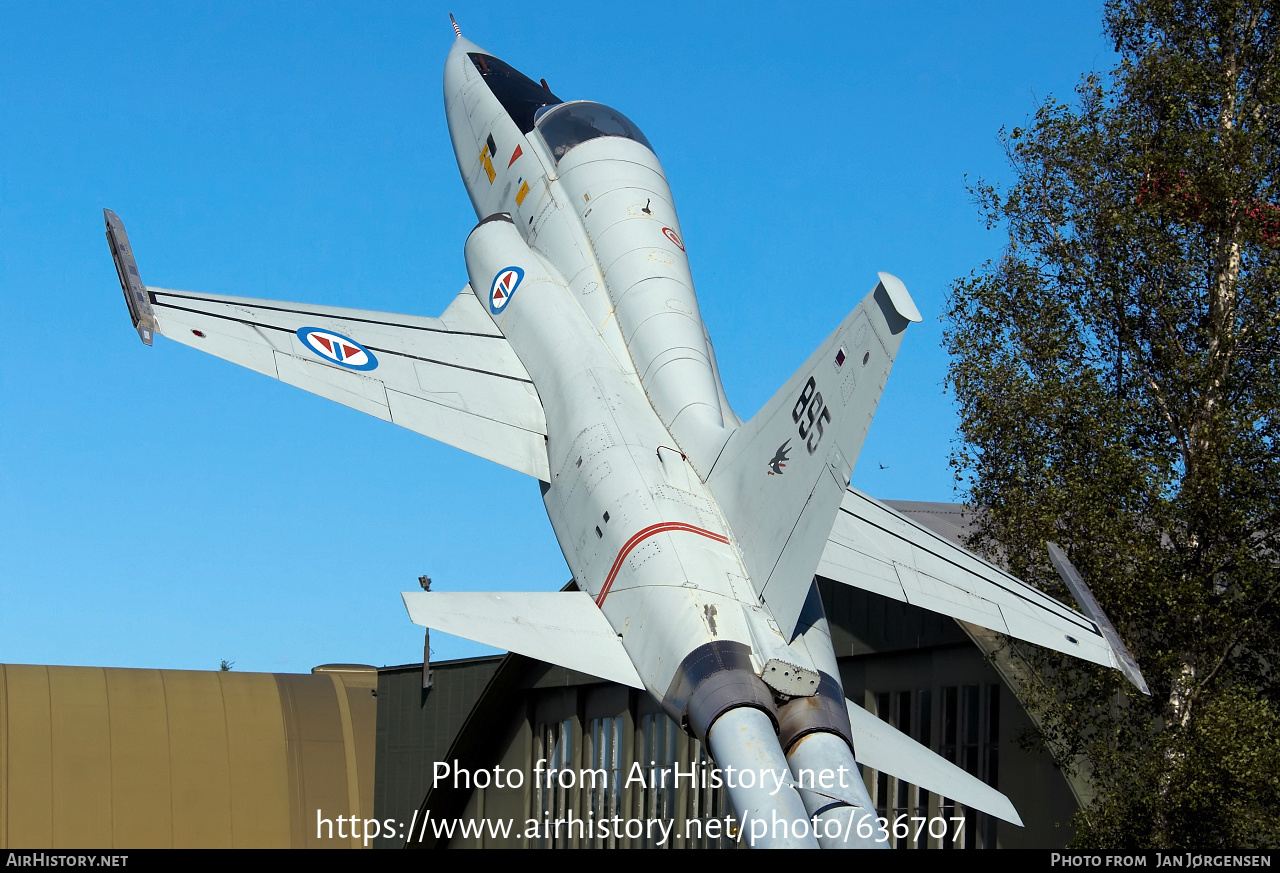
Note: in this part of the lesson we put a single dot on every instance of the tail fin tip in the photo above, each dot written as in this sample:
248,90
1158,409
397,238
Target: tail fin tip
899,298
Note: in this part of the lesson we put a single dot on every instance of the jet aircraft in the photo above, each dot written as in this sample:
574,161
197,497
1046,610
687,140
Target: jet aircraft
576,354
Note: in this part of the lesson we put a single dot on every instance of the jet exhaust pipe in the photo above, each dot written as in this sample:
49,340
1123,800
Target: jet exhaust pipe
770,810
834,794
823,712
717,695
817,738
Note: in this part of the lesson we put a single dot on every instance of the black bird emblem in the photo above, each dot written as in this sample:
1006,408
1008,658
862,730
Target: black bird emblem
776,465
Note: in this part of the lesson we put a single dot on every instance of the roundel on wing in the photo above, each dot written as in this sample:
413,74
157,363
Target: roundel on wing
337,349
504,285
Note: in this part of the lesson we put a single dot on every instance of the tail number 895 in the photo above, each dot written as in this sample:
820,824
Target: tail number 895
810,413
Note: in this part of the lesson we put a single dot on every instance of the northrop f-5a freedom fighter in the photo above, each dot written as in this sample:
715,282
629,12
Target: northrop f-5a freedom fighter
576,354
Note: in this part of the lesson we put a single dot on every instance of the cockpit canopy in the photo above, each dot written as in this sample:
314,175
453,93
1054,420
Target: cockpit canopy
518,94
566,125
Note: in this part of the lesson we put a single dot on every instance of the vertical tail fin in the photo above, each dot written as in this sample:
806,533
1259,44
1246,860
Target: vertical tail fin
782,475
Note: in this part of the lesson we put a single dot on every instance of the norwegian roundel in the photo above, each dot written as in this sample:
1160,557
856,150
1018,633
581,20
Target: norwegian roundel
504,285
337,349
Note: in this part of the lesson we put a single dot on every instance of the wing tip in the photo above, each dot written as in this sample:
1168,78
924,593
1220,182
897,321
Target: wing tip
1122,659
135,293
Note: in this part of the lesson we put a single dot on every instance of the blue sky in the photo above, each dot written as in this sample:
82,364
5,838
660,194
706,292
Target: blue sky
160,508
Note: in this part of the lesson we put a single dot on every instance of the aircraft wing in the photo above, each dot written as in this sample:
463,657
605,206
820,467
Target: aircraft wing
454,378
559,627
880,746
877,549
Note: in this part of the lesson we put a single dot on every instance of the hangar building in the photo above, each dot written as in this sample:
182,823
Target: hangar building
111,758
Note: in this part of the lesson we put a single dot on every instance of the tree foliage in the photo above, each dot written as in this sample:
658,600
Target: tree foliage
1118,380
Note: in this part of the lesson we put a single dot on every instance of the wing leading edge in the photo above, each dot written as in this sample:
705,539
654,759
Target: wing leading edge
880,746
877,549
454,378
558,627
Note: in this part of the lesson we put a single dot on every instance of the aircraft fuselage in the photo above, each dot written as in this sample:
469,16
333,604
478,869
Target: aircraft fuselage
580,261
585,273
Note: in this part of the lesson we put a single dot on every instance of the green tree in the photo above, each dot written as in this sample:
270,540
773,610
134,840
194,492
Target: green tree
1118,383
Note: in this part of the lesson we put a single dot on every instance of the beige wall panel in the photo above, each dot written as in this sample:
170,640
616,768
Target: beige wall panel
258,771
349,754
142,808
200,774
28,758
116,758
81,742
363,707
317,759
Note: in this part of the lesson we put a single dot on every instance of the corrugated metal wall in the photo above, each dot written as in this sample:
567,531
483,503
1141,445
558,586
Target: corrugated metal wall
116,758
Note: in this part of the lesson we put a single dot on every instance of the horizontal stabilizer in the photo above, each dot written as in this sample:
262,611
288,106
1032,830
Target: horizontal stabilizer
558,627
879,550
880,746
782,475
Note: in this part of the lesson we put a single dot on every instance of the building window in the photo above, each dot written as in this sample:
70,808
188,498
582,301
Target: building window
552,743
971,740
706,804
634,765
910,712
602,745
968,735
658,756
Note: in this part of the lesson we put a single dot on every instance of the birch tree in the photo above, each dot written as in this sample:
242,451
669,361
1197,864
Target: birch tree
1118,381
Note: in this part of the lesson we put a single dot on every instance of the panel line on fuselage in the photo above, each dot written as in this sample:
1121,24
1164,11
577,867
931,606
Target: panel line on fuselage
641,536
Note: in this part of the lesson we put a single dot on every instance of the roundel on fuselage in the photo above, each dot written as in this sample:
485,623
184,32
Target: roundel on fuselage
504,285
337,349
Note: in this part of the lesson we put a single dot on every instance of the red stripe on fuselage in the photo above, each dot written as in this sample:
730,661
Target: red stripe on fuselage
637,539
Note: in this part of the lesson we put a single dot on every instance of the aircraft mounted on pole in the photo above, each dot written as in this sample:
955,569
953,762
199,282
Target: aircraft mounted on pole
577,355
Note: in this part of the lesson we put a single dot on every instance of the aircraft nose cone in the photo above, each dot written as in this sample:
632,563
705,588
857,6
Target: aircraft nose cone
454,69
